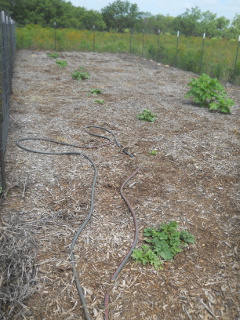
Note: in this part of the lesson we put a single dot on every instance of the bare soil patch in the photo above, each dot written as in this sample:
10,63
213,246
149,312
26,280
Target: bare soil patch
193,179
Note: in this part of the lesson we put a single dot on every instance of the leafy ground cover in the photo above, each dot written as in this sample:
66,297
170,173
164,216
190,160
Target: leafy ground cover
193,179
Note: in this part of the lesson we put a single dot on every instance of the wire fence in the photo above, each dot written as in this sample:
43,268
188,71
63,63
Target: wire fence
216,57
7,53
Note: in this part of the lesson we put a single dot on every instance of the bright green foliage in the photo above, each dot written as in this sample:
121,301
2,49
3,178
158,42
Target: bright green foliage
100,101
147,115
54,55
147,255
153,152
208,92
163,243
96,91
80,74
121,15
61,63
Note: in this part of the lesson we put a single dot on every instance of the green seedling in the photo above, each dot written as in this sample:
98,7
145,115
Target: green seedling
208,92
163,243
147,115
61,63
80,74
54,55
153,152
100,101
95,91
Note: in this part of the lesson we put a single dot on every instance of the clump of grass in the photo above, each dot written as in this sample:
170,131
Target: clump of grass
18,269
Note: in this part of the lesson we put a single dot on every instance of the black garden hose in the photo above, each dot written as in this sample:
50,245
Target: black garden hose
19,144
124,261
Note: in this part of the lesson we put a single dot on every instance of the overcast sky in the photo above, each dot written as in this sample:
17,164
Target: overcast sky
226,8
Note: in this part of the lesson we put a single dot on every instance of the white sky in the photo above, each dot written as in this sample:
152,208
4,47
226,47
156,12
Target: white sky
226,8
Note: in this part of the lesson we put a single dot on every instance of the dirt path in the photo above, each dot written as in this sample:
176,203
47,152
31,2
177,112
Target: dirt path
193,179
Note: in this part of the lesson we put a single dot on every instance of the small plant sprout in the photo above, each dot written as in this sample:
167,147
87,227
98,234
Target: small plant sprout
61,63
208,92
147,115
163,243
80,74
153,152
99,101
96,91
53,55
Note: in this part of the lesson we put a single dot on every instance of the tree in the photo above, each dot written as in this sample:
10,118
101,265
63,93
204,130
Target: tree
234,31
188,22
159,22
121,15
236,22
222,23
93,18
208,24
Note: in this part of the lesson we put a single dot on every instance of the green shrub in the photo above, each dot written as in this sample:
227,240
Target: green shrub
208,92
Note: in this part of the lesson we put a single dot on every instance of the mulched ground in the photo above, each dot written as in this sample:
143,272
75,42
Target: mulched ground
193,179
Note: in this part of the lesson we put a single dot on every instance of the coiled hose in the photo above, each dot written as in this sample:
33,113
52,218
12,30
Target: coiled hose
78,284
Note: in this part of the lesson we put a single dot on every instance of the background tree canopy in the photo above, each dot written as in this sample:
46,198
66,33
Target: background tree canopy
119,16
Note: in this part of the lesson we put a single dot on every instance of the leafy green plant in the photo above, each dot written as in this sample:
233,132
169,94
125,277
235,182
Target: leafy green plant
95,91
53,55
147,115
80,74
147,255
208,92
100,101
61,63
164,243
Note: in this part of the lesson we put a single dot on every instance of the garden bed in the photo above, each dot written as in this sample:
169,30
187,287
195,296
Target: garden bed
193,179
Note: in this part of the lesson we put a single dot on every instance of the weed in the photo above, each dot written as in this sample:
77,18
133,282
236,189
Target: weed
80,74
61,63
208,92
95,91
147,115
100,101
164,243
54,55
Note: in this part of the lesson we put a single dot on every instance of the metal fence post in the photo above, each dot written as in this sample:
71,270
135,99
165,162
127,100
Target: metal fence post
176,58
93,38
143,42
130,43
7,53
201,59
235,62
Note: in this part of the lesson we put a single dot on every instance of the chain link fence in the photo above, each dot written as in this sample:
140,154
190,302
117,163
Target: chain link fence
7,53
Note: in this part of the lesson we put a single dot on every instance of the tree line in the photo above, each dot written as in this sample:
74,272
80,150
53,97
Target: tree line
120,16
